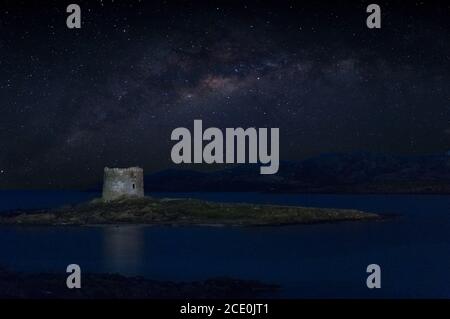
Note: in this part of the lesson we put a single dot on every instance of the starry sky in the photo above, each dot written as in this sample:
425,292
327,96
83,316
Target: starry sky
109,94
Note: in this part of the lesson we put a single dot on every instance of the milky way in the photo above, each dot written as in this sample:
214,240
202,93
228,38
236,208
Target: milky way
109,94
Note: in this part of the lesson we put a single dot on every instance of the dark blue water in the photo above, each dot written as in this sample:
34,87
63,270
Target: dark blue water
327,260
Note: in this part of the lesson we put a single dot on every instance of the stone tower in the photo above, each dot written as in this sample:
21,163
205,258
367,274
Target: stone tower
123,182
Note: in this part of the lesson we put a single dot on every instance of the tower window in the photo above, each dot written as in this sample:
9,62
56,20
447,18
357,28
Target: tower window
134,186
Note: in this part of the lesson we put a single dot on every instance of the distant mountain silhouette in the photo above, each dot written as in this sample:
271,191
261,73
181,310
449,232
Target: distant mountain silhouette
327,173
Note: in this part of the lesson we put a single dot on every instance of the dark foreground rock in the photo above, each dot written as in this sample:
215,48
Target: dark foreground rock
105,286
153,211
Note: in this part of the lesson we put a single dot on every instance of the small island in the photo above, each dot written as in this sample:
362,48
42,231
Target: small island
123,202
152,211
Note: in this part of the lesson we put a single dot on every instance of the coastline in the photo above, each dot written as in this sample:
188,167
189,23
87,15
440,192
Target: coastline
18,285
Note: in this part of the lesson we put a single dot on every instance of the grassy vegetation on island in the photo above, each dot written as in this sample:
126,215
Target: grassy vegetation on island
153,211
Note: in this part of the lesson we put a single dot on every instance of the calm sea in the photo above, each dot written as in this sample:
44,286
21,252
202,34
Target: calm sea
325,261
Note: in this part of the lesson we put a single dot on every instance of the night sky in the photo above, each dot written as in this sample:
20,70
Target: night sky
109,94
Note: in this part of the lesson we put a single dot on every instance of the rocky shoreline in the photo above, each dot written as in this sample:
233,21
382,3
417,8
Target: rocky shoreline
152,211
112,286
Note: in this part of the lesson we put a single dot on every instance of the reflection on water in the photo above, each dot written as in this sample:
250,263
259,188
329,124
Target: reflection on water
123,248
